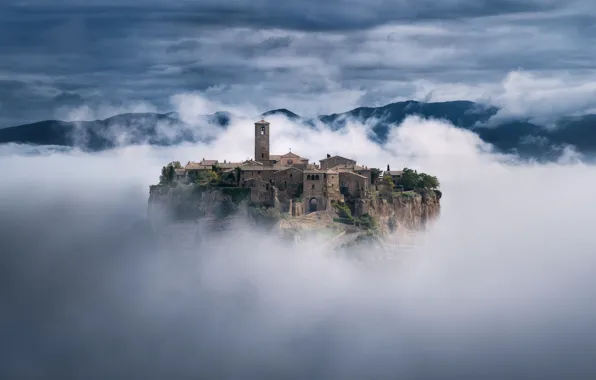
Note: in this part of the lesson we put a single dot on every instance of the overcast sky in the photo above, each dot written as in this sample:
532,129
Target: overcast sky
310,56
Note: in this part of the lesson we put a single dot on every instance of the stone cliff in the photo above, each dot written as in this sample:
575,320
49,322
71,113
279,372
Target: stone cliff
401,211
192,202
380,214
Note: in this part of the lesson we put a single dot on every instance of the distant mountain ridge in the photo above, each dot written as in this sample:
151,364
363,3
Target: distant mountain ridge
513,136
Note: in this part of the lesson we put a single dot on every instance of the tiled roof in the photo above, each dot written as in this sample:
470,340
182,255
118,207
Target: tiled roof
256,167
208,162
251,162
288,168
229,165
196,166
395,172
336,156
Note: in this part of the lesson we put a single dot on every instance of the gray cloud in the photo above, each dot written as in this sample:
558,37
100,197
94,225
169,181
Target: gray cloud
311,60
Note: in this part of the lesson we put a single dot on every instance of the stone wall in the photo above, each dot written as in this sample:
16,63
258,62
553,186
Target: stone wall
288,181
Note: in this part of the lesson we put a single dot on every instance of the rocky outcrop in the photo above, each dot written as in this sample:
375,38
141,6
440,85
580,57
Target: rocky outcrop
401,211
362,221
190,202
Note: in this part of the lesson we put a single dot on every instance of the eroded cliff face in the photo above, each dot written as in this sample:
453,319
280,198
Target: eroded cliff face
187,202
401,211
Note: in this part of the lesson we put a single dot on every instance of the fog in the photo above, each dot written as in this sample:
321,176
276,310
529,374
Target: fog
500,287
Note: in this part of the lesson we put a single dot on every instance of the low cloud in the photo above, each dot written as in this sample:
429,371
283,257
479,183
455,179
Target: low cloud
499,287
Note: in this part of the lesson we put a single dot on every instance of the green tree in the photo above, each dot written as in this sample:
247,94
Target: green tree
429,181
409,179
167,174
374,175
207,176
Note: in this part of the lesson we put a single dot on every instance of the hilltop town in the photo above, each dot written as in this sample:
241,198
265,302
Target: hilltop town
294,186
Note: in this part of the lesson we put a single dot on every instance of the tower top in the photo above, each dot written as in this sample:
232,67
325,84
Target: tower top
262,122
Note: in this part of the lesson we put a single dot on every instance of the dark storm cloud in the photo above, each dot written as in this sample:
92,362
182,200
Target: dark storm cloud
310,15
309,57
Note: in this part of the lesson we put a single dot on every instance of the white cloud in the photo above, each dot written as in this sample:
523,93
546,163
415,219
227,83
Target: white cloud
511,251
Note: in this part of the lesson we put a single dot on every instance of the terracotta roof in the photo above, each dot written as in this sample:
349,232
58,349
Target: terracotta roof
208,162
336,156
256,167
262,122
288,168
196,166
275,157
180,171
251,162
395,172
349,167
229,165
290,154
329,171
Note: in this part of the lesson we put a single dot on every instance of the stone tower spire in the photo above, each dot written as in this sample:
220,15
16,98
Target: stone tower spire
262,141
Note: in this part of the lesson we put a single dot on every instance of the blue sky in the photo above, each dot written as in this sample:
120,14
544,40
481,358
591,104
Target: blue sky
310,57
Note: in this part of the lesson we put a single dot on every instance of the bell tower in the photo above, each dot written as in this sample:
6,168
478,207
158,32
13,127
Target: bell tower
262,141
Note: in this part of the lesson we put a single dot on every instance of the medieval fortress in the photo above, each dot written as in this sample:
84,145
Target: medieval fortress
290,182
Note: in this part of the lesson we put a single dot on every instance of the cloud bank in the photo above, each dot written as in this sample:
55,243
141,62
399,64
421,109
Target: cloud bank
500,288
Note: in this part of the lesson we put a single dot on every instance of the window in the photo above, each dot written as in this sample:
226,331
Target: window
313,186
308,177
290,162
262,155
317,177
259,172
262,129
290,175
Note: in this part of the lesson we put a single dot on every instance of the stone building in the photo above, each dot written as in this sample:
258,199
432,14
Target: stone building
394,174
353,184
320,187
330,162
290,181
264,173
261,192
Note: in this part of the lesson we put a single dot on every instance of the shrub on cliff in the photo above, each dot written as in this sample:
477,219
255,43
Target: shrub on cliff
343,210
208,176
412,180
366,221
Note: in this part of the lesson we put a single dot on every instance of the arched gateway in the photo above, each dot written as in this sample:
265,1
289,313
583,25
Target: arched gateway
312,205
